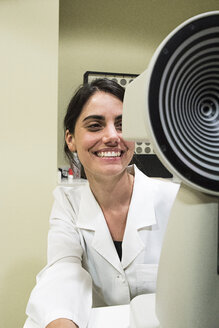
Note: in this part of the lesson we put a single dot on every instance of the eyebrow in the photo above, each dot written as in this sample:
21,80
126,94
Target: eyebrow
100,118
93,117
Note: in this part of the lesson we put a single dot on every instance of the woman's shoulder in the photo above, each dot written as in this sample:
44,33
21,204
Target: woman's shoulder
67,199
71,192
65,188
156,185
160,192
154,180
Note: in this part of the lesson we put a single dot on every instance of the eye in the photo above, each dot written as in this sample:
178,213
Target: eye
94,126
118,126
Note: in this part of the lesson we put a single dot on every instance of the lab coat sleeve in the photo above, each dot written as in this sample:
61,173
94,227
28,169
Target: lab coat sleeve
64,288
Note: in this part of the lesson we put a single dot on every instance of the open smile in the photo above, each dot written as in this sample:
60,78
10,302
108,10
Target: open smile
109,153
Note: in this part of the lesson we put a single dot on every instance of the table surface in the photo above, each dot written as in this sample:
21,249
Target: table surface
110,317
140,313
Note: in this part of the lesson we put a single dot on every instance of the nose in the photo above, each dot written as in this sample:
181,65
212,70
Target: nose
111,135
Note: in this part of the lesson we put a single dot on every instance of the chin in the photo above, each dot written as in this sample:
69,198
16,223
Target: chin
107,171
113,170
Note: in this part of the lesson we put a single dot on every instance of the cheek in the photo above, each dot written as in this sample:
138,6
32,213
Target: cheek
84,142
131,145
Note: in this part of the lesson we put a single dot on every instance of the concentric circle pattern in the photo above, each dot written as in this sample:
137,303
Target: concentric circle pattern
185,113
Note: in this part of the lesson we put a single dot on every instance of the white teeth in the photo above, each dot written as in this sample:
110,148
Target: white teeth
109,154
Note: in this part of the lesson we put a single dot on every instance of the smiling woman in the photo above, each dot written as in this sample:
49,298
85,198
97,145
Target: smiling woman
105,233
86,107
97,138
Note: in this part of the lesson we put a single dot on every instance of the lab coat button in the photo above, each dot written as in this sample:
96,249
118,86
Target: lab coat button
121,278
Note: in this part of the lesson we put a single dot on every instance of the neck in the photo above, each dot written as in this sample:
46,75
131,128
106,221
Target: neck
112,192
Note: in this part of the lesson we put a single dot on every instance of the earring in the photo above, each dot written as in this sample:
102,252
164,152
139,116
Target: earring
76,165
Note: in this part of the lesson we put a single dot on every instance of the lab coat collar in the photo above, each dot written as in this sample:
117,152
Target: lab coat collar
91,218
141,214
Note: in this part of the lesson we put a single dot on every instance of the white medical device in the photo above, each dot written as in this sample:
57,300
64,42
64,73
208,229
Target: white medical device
175,105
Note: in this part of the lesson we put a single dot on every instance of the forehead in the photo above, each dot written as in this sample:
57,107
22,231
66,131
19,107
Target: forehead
102,103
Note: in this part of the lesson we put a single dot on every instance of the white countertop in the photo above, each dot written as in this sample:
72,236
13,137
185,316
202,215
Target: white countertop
140,313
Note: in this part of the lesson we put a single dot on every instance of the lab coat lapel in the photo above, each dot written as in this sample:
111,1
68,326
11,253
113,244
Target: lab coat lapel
91,218
141,214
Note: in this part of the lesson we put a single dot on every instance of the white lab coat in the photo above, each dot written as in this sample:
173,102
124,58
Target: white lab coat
83,267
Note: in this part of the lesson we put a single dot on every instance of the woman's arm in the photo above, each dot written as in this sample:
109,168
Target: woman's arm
62,323
63,285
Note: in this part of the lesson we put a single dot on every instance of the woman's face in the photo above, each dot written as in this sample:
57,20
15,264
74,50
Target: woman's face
98,137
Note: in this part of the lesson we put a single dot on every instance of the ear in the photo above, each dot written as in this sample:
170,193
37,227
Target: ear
70,140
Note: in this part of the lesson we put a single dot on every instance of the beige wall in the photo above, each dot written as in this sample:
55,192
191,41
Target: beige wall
28,134
113,36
